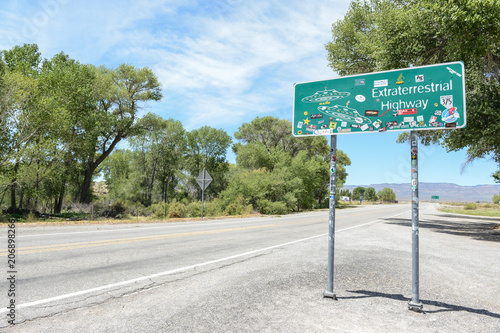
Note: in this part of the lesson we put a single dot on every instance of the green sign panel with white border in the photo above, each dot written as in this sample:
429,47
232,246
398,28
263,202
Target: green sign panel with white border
415,98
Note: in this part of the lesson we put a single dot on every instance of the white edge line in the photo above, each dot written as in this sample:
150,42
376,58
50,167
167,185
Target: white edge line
178,270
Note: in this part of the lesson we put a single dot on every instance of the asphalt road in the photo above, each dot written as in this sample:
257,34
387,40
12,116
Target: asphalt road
255,274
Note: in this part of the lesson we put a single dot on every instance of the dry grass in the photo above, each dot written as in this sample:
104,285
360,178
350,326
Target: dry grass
477,209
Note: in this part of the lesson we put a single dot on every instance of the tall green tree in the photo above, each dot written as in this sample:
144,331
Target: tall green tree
299,166
274,133
386,194
119,94
380,35
24,110
358,192
159,149
72,87
62,118
370,194
117,173
206,148
146,146
262,138
172,158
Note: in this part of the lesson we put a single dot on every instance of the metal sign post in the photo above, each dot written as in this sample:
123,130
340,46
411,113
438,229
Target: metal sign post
203,180
329,292
414,304
412,99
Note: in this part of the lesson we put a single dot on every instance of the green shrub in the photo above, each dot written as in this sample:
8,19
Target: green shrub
210,209
219,206
158,210
238,207
31,217
470,206
290,201
136,209
15,217
496,198
177,210
120,206
269,207
231,209
193,209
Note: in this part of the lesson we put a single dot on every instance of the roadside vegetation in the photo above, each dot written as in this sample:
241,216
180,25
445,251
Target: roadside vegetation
61,122
362,195
471,208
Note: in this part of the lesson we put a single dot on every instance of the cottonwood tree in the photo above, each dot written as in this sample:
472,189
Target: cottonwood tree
119,94
72,86
370,194
274,133
291,172
172,158
386,194
159,152
358,192
118,175
380,35
24,111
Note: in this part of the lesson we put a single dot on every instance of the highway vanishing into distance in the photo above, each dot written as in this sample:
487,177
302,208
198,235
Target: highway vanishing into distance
66,271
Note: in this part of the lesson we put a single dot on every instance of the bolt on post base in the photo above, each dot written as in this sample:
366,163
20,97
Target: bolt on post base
417,307
327,294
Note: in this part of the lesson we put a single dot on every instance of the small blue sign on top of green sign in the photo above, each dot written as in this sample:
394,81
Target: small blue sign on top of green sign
416,98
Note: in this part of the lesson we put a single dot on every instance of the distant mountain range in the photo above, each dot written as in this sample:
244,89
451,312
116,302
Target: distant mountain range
447,192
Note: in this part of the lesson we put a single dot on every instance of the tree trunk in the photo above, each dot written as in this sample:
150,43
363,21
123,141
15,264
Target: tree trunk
21,199
87,182
90,168
13,184
3,196
59,200
13,205
37,187
151,185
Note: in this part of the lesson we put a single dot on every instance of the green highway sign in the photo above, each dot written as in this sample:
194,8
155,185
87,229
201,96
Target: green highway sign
435,197
415,98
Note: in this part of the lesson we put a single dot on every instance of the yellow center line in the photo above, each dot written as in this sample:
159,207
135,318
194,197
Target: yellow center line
80,245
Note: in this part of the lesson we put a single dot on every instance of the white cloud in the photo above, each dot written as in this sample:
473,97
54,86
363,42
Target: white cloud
228,60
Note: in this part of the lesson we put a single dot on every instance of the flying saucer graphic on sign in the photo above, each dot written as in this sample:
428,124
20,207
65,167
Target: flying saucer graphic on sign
325,96
344,113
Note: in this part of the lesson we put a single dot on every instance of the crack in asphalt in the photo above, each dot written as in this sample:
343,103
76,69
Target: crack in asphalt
152,285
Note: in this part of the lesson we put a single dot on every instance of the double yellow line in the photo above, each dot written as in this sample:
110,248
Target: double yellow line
89,244
81,245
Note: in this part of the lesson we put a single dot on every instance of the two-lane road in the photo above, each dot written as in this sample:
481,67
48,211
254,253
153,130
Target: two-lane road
69,267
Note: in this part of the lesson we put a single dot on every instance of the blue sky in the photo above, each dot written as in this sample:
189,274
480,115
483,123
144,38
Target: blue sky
222,63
